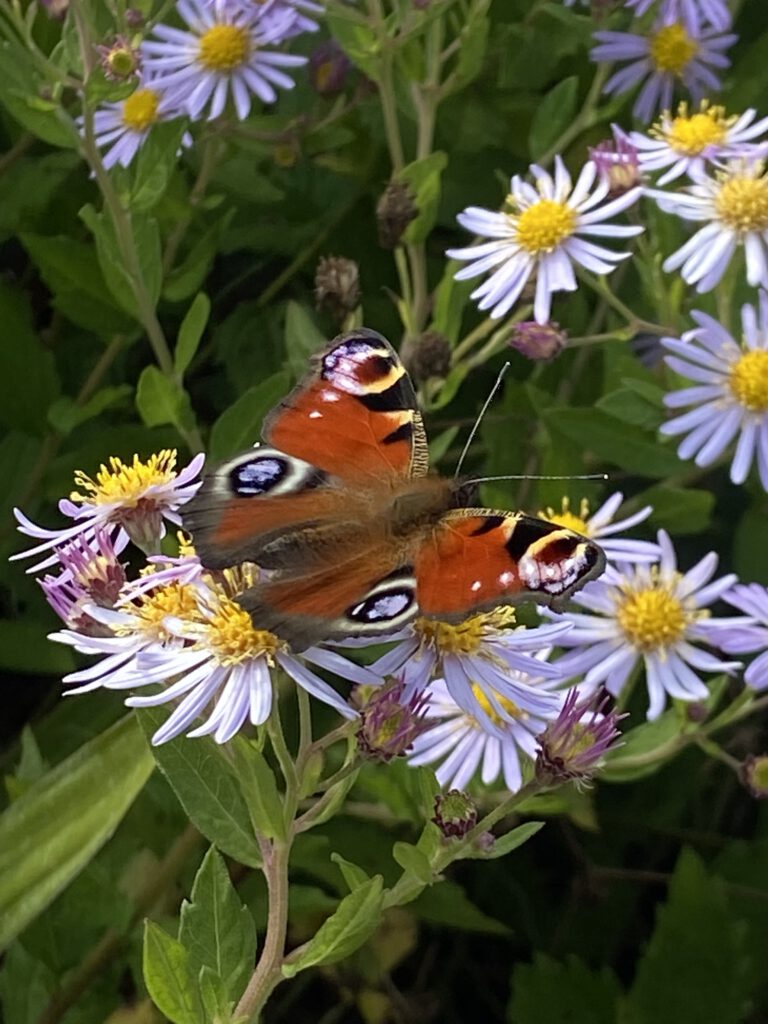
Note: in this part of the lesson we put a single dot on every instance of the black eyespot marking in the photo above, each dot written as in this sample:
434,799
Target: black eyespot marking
403,433
258,476
525,533
491,523
387,605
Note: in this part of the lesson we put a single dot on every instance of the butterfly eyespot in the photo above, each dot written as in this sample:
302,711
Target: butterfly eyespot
258,476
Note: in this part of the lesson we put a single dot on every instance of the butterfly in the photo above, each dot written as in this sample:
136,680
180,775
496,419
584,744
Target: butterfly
355,533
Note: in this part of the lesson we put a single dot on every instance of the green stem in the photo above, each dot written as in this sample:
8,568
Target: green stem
387,87
587,116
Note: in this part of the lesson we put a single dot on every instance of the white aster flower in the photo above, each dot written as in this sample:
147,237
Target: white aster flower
730,396
688,141
652,615
748,634
600,527
226,50
130,501
676,51
124,127
735,204
541,230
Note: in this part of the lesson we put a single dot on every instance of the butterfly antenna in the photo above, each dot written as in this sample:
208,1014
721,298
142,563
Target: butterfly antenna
479,420
529,476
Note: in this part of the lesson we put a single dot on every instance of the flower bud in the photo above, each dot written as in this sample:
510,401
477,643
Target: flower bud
337,286
617,164
428,356
389,726
572,747
120,61
134,18
328,68
540,342
394,212
754,775
455,813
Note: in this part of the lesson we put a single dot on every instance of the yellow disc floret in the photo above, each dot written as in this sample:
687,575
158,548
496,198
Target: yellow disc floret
742,202
140,110
125,484
464,637
567,518
176,599
672,49
692,134
225,47
234,638
544,226
509,706
653,617
748,380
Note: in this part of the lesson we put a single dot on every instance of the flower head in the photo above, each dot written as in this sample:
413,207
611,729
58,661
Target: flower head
711,12
121,60
729,399
122,128
678,50
600,526
539,342
226,49
328,68
542,230
389,724
652,615
130,501
748,634
617,163
573,746
90,574
455,813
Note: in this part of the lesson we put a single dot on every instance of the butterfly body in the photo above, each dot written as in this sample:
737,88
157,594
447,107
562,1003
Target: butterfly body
356,535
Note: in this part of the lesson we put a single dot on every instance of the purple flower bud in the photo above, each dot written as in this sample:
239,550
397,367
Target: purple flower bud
120,60
617,163
455,813
573,746
389,726
540,342
328,68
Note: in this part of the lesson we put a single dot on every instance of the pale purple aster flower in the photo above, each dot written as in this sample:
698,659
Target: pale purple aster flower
652,615
541,230
90,574
574,745
122,128
674,51
735,204
712,12
748,634
225,51
131,501
290,15
600,527
687,141
389,723
729,398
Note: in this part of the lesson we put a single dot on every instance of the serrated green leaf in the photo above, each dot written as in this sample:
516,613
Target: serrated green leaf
216,930
51,832
259,788
169,976
414,861
354,876
190,332
568,993
208,790
353,922
239,427
552,116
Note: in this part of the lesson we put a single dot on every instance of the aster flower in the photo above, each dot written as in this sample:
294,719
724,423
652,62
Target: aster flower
748,634
735,204
90,574
677,50
122,128
574,745
389,724
600,527
291,15
482,653
131,501
688,141
542,230
729,398
652,615
712,12
225,50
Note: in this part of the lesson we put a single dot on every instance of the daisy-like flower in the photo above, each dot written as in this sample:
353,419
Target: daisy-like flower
123,128
735,204
542,230
90,574
711,12
130,501
225,50
573,747
676,51
492,740
748,634
652,615
293,14
686,142
600,527
483,653
729,398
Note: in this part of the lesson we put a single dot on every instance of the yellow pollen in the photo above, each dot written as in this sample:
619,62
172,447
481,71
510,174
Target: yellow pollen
653,618
125,483
509,706
691,134
140,110
543,226
464,637
672,49
176,599
234,638
186,545
742,203
748,380
225,47
568,519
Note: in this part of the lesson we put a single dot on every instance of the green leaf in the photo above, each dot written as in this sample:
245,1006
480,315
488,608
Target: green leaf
627,405
448,904
568,993
207,788
51,832
679,510
189,276
751,559
190,332
694,966
26,986
65,414
20,93
354,921
160,400
424,176
23,651
357,39
259,788
413,861
451,296
169,976
473,42
553,115
302,338
156,161
28,380
354,876
508,842
146,236
642,742
239,426
216,930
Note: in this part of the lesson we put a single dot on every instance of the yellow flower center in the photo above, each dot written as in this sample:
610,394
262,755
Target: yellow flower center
543,226
176,599
225,47
748,380
692,134
567,518
672,49
234,638
742,203
653,617
509,706
140,110
465,637
126,484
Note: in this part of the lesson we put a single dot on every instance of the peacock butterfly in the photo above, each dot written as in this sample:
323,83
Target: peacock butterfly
358,536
